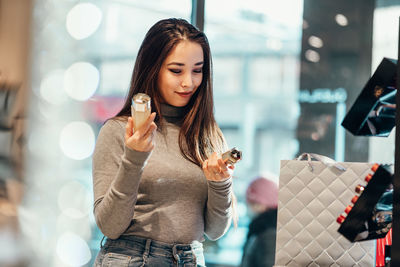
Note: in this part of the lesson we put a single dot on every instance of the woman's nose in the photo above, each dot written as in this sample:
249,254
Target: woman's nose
187,81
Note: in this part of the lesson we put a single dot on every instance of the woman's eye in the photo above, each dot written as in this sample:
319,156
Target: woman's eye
175,70
198,70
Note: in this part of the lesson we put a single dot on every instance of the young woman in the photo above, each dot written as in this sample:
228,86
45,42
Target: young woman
159,189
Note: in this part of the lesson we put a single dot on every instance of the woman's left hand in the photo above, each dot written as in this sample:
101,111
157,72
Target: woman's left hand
215,169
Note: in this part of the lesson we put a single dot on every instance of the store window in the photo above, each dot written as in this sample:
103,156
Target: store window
82,59
255,47
283,78
272,64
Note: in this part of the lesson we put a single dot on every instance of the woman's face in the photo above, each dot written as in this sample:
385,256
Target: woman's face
181,73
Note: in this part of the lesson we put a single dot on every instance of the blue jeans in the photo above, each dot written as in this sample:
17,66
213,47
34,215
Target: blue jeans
135,251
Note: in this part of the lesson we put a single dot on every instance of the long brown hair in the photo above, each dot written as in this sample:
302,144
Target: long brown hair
199,134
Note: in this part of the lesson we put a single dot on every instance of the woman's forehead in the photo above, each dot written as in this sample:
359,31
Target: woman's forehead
185,52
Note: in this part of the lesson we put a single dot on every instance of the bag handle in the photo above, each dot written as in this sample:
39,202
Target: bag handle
324,159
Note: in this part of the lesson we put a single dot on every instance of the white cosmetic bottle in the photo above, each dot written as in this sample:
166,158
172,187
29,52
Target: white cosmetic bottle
140,109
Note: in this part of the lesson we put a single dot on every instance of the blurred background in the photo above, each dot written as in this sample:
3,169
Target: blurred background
285,73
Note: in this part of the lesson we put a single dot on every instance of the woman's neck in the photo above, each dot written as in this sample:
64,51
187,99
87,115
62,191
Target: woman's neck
173,114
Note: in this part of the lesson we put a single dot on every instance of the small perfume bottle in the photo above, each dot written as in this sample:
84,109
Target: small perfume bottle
232,156
140,109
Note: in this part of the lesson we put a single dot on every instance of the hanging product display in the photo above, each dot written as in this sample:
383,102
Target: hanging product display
373,112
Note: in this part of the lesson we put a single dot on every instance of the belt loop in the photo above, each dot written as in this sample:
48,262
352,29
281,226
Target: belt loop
146,250
101,242
175,254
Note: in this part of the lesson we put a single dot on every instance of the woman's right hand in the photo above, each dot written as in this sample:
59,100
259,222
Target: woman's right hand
143,138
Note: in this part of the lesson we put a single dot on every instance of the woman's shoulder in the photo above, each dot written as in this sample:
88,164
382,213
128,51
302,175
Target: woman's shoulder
113,126
111,134
115,123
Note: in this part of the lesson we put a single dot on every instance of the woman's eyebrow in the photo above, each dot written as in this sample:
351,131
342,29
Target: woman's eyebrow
176,63
182,64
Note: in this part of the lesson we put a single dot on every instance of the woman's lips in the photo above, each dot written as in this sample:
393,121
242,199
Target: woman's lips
184,94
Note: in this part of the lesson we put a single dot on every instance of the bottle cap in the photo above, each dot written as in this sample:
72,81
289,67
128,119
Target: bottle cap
354,199
368,177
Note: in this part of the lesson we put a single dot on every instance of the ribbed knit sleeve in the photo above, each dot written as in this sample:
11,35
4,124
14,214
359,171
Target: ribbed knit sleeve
117,171
218,214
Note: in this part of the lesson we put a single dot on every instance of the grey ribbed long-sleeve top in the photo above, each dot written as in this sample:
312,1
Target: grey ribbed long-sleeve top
159,194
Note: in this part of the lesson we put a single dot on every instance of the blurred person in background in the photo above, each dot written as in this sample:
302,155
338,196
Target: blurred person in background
159,189
262,200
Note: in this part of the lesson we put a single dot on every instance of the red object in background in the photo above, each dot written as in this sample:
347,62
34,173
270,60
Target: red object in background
380,248
348,209
359,189
380,252
388,238
340,219
100,108
375,167
354,199
368,177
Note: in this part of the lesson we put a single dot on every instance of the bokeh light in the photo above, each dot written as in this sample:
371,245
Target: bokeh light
341,20
83,20
77,140
312,56
73,250
51,87
315,41
81,80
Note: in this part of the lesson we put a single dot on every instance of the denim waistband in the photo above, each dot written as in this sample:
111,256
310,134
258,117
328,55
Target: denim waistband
141,241
155,247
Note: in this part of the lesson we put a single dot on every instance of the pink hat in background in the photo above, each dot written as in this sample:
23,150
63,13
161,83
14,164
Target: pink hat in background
263,191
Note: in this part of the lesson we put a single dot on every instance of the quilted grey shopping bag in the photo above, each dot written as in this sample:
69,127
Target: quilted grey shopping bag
312,194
